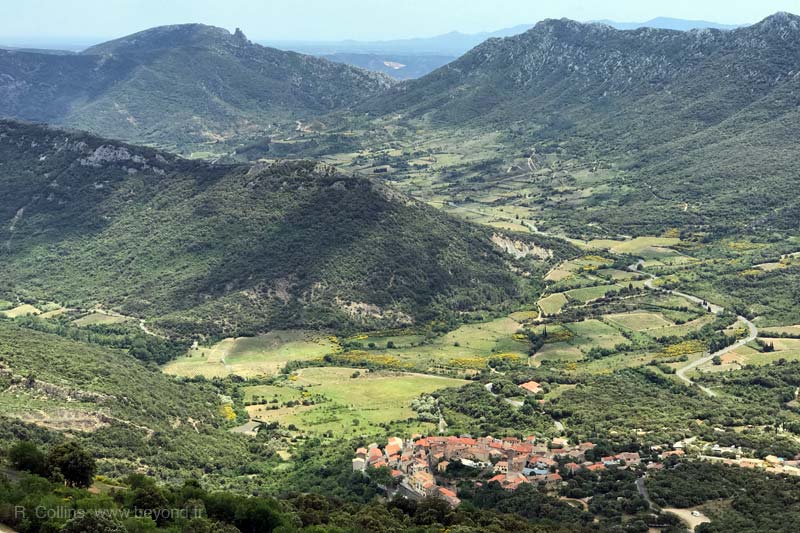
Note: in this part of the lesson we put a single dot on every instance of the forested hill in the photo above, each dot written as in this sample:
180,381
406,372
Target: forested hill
177,86
232,249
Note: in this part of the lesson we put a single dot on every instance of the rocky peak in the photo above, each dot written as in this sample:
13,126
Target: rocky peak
173,36
781,20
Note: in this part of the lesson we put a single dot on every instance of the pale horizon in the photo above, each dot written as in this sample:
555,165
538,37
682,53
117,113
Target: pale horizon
48,22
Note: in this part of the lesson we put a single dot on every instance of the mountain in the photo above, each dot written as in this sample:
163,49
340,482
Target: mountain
402,59
49,51
405,59
667,23
177,86
705,117
226,249
451,44
398,66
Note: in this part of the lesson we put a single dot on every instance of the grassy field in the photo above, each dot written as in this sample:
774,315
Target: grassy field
471,342
269,393
639,321
99,318
356,405
591,333
553,304
680,330
617,275
792,330
583,336
22,310
647,247
587,294
263,355
747,355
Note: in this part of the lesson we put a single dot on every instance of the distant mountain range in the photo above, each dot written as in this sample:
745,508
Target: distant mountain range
177,86
420,56
667,23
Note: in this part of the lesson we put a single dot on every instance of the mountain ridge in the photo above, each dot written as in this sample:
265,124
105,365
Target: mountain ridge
671,107
182,86
229,249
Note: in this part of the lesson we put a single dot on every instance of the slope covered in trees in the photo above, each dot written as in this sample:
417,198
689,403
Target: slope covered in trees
219,249
177,86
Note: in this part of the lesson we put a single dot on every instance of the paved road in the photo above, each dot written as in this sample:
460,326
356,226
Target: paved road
752,331
642,488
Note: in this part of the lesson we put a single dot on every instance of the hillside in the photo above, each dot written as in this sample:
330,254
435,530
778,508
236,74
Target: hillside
177,86
704,118
131,416
219,249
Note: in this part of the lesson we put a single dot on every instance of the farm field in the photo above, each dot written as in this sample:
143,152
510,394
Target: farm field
639,321
594,333
791,330
679,330
21,310
468,346
357,400
268,393
263,355
587,294
553,304
639,246
100,318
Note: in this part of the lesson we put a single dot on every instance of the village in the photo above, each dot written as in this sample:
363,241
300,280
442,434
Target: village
422,466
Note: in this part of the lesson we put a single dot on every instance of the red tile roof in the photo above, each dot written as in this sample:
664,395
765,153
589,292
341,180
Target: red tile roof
531,386
447,492
392,449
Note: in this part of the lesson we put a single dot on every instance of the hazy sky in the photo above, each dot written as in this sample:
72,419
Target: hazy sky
45,20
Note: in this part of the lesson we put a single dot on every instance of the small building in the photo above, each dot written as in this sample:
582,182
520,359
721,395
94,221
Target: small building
531,386
449,496
630,458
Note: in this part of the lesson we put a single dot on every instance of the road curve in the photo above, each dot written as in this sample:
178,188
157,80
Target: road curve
752,331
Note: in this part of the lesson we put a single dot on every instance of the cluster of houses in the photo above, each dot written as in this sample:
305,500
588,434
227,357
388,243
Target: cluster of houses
420,464
416,463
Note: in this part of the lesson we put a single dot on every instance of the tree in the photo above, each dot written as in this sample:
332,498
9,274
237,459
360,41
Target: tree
73,462
256,515
150,501
93,523
26,456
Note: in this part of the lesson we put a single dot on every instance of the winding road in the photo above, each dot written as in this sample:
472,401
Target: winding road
752,331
